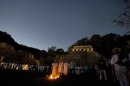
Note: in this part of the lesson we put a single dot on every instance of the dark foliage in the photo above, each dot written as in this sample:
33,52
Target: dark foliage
6,38
123,19
105,44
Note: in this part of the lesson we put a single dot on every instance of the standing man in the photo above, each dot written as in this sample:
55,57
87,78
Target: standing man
102,68
72,67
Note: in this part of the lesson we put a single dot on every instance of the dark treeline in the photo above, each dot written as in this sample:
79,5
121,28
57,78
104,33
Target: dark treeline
106,43
11,51
19,53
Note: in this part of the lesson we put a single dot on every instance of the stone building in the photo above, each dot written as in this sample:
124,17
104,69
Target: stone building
87,48
83,55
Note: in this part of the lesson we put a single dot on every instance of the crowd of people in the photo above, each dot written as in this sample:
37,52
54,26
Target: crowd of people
23,67
64,68
60,68
117,68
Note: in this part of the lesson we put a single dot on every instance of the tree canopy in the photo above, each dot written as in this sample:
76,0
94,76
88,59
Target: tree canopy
106,43
123,19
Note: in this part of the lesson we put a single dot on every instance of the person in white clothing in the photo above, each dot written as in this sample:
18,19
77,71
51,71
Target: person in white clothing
119,69
60,67
54,69
72,66
66,68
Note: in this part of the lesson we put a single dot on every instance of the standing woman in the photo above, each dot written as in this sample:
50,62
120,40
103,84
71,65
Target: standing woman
119,68
66,68
60,67
54,68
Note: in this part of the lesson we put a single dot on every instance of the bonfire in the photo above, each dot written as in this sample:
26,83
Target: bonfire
54,77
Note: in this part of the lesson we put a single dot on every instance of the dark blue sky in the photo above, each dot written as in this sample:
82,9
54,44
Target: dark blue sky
45,23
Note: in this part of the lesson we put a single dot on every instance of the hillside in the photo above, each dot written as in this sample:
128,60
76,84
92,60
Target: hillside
14,52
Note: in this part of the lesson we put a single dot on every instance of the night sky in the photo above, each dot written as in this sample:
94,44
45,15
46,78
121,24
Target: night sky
45,23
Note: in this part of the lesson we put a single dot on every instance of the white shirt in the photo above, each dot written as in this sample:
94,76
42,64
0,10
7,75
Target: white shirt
114,59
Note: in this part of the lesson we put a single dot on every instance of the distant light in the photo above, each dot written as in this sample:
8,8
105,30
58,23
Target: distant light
25,67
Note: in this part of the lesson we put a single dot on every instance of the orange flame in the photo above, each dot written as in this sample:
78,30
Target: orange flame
54,77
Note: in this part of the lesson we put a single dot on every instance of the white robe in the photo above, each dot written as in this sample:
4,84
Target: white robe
120,71
60,67
54,69
66,68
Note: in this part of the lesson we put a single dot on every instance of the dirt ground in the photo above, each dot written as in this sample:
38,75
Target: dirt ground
26,78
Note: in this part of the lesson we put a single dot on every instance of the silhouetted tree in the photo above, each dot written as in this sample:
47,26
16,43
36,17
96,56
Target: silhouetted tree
54,53
43,55
60,51
124,18
83,41
96,42
105,44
